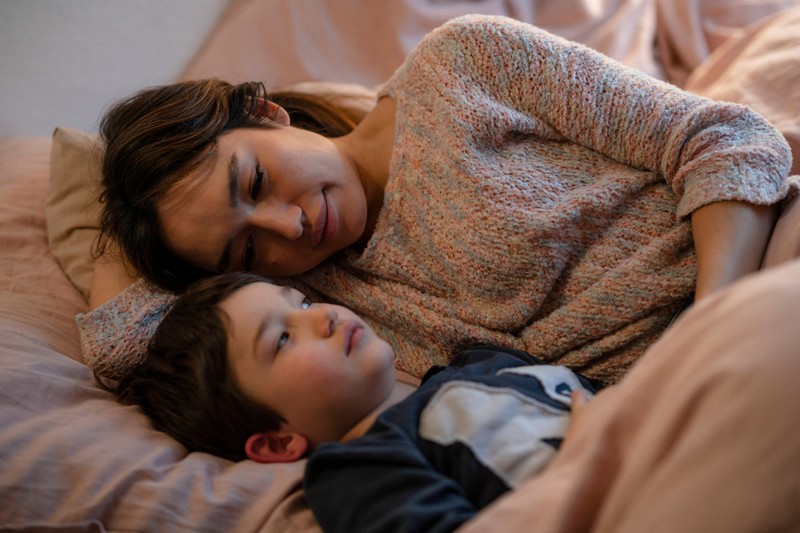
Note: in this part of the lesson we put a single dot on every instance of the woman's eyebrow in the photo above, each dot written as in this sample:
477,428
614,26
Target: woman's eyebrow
233,201
233,180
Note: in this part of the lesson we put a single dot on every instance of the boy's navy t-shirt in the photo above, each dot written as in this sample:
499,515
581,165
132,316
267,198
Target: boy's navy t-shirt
473,430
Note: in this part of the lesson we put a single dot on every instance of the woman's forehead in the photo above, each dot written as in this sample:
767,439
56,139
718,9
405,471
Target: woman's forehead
194,179
194,215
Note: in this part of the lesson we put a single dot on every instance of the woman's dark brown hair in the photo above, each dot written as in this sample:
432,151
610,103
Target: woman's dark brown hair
159,135
185,385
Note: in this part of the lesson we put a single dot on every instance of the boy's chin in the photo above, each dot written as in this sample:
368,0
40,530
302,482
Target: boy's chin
387,353
382,360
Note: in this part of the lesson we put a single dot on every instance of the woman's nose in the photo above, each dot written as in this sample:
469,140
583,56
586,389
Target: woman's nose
286,221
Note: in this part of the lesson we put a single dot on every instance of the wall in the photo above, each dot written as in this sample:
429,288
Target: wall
62,62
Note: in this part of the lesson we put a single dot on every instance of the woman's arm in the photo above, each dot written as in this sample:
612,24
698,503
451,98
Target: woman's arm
111,276
730,239
707,151
722,160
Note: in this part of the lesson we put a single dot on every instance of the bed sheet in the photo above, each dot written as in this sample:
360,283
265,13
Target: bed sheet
352,41
703,434
73,458
726,49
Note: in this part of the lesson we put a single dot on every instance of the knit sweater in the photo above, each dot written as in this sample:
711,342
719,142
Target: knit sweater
538,199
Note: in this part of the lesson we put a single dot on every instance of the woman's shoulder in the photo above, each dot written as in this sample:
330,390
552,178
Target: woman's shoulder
470,44
470,25
454,49
480,31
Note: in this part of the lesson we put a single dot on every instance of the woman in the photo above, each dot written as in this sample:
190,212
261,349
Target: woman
509,187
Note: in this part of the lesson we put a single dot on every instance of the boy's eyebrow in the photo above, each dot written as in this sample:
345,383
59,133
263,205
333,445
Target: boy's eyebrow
286,291
233,201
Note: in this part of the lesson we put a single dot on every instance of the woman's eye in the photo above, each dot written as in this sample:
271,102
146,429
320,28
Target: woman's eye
249,252
282,340
258,182
305,304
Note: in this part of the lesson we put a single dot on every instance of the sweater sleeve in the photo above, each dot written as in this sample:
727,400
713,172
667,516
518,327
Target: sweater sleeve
707,151
114,336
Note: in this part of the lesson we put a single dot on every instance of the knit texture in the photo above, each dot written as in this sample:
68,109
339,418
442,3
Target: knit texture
537,199
114,336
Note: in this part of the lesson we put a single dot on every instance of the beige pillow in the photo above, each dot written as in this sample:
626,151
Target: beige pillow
72,206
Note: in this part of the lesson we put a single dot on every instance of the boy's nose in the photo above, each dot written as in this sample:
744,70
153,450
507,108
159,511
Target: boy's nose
322,318
286,221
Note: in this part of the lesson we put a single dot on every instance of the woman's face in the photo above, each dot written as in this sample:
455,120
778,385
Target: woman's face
274,201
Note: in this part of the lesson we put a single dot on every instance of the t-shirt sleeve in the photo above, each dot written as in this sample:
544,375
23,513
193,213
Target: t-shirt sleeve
383,484
707,151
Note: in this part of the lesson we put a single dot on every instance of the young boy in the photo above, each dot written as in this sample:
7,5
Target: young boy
241,367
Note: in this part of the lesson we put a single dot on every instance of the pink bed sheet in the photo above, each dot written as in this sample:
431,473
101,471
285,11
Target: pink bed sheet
703,434
75,460
72,457
726,49
353,41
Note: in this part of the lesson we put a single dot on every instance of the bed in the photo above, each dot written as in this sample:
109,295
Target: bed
75,460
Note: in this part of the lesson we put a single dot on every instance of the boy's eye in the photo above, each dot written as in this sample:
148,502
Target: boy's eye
282,340
249,253
305,304
258,182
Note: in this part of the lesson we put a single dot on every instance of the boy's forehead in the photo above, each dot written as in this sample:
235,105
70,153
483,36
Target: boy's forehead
253,293
242,309
260,297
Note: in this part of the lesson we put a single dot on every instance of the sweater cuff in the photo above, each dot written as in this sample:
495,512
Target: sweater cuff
114,336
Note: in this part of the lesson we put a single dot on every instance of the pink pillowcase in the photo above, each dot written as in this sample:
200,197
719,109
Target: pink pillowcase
73,458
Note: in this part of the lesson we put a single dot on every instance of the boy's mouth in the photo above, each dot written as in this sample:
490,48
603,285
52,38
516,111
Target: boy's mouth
353,335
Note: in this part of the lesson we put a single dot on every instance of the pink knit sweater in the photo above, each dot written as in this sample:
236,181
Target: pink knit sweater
538,198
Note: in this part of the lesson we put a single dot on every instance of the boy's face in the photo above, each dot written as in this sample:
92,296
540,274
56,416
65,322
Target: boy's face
318,365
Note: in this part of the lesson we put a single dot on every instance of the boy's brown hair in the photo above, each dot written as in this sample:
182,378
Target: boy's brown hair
185,384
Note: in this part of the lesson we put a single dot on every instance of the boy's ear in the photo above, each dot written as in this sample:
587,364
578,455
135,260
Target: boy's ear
269,109
274,447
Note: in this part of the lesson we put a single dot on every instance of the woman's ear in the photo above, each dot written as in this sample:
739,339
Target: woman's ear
269,109
274,447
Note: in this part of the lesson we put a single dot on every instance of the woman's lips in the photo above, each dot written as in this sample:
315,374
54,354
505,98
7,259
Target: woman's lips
319,223
326,224
331,220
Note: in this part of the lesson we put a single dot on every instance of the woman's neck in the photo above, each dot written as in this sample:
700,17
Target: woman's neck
369,146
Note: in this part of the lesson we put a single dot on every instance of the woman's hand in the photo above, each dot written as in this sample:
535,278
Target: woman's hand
730,239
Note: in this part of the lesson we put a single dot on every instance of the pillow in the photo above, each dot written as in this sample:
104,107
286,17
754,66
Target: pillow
355,100
72,458
72,208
